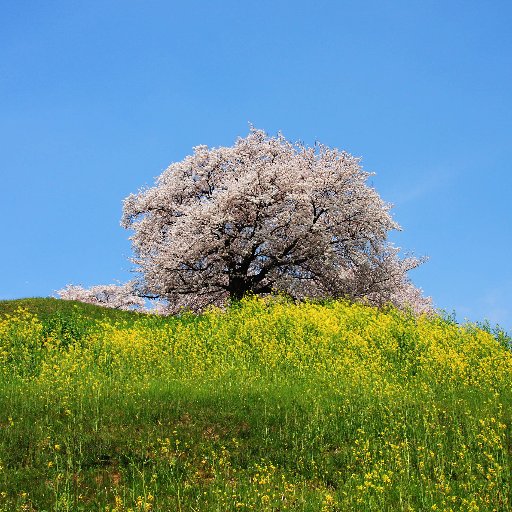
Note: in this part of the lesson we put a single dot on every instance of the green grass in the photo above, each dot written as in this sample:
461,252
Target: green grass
46,308
266,407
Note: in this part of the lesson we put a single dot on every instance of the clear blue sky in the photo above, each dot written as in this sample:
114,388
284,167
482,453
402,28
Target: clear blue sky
98,97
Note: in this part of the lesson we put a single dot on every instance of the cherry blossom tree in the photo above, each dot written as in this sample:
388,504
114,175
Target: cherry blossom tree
266,215
109,295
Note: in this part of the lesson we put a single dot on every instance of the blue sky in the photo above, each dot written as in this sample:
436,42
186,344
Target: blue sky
98,97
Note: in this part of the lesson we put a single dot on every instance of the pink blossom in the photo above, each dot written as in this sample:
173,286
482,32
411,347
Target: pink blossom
109,295
267,215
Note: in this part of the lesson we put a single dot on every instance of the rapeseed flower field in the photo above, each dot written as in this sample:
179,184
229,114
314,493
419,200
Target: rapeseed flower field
269,405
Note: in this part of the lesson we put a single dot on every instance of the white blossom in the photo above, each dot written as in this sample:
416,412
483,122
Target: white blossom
266,215
108,295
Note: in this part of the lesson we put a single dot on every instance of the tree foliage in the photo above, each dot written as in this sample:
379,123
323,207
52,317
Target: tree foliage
106,295
266,215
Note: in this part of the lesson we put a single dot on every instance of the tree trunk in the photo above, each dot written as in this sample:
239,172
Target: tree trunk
237,287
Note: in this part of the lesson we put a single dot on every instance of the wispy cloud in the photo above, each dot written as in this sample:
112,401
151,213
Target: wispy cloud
425,184
494,306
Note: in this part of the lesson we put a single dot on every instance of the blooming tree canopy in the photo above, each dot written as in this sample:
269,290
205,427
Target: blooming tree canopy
266,215
106,295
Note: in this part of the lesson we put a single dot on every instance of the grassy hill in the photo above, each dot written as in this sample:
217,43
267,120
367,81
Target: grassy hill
267,406
45,308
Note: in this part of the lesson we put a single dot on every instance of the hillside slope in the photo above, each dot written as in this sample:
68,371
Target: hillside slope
267,406
45,307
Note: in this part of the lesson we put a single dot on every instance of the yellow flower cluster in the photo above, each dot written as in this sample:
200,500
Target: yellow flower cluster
396,381
341,344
